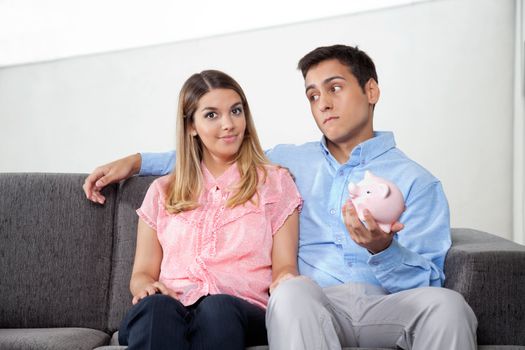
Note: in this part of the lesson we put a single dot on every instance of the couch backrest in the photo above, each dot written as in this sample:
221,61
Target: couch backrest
55,252
130,196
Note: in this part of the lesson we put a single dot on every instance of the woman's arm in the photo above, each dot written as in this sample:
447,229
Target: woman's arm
146,268
284,250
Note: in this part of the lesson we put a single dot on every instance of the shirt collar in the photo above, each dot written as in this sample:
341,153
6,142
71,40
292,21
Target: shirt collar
224,181
367,150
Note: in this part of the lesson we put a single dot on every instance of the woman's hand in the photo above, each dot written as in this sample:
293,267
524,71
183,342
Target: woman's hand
154,288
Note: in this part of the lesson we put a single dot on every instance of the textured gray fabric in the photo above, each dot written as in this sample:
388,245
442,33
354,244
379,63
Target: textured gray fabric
490,273
55,252
114,339
113,344
117,347
51,339
501,347
56,249
130,197
481,347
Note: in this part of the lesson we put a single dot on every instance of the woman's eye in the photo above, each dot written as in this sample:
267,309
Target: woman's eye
210,115
237,111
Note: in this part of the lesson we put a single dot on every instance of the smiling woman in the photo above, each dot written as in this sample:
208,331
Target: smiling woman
219,122
225,208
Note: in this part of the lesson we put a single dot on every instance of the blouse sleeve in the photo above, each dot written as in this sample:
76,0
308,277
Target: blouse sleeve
283,199
149,209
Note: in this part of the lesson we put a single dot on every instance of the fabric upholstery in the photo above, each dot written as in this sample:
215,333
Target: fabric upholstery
66,262
55,252
51,339
130,196
486,269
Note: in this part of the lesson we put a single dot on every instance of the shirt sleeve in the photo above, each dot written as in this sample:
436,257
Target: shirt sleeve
157,163
283,198
149,210
416,256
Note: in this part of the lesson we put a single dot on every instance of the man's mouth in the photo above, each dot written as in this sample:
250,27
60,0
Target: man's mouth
329,119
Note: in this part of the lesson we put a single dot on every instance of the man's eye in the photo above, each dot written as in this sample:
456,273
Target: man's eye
313,97
336,88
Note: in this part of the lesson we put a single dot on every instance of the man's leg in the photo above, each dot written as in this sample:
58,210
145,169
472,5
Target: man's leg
226,322
300,316
420,319
157,322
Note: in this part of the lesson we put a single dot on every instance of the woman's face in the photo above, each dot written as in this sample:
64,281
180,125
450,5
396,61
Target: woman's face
220,123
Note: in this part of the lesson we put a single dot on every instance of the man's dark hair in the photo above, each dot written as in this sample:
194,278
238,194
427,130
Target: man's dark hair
357,61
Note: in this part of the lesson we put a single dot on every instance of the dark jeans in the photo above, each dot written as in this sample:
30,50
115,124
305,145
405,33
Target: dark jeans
214,322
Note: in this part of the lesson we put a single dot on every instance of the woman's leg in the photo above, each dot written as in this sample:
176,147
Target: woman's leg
157,322
226,322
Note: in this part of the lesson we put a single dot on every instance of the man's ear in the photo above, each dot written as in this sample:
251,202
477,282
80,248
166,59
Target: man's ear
372,91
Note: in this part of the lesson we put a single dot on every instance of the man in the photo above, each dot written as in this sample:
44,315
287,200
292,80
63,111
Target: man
363,287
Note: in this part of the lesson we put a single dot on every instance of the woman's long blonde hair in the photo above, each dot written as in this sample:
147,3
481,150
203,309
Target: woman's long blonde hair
186,182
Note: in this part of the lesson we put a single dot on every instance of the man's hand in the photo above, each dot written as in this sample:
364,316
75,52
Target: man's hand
109,173
370,237
154,288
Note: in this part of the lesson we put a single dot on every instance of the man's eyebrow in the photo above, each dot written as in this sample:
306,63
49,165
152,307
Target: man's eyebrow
326,81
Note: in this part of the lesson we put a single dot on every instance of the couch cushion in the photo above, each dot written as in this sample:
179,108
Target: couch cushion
489,272
55,252
130,196
51,338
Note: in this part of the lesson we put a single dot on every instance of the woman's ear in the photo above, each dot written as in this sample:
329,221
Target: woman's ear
372,91
192,130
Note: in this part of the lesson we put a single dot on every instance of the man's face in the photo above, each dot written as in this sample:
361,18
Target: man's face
341,109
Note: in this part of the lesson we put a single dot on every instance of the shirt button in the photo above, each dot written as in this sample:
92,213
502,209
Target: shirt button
332,211
341,173
349,264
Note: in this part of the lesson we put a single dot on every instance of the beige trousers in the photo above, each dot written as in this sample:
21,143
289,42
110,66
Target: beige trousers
301,315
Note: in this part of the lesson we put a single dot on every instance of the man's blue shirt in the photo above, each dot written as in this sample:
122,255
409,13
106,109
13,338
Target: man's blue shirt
327,254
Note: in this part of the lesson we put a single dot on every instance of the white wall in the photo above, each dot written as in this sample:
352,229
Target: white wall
35,30
445,69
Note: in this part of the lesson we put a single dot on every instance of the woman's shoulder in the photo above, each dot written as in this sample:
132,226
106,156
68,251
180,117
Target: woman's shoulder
162,184
276,172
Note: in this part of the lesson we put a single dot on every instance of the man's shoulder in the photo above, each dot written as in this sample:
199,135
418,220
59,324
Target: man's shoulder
289,152
406,171
283,147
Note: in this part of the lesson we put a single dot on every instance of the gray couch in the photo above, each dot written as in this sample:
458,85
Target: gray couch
65,266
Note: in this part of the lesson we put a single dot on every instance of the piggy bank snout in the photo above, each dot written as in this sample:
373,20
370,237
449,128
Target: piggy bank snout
353,189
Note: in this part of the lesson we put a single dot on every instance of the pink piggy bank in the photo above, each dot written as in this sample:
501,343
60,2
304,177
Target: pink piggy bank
381,197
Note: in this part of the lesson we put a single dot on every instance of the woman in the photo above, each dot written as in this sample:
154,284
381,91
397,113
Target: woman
216,235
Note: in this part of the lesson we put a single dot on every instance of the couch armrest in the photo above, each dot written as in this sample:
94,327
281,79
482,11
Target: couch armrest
489,272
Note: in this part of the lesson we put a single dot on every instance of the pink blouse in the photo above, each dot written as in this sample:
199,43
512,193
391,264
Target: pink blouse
218,250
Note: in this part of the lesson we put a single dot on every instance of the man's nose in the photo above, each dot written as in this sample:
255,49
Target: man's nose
325,102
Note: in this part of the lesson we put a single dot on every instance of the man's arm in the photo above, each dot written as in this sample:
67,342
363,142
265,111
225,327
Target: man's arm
416,258
121,169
